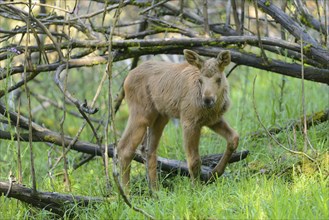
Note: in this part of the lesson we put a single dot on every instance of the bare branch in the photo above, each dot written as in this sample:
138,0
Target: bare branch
287,22
51,201
236,17
205,17
308,19
81,105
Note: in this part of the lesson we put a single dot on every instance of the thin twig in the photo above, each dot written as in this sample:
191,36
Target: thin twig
19,159
205,18
62,121
231,70
109,8
86,159
82,108
28,16
306,140
303,96
242,17
146,152
268,133
81,105
67,182
54,7
228,13
153,6
111,121
236,17
258,33
325,8
46,102
110,116
34,182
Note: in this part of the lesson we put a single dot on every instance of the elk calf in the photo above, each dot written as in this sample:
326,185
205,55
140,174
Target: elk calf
195,91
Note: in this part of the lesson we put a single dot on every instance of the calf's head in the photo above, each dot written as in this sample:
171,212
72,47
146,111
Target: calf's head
212,80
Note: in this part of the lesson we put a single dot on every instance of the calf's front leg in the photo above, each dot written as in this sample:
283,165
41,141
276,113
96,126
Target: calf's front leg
232,138
191,147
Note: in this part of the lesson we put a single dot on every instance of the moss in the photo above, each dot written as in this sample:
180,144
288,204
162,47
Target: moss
308,167
214,43
267,3
319,116
307,48
305,21
141,4
215,35
164,29
233,47
49,139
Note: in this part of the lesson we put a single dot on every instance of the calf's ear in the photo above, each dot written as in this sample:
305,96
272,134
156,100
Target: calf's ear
224,58
193,58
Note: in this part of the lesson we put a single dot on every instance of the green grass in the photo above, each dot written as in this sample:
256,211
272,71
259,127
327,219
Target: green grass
270,184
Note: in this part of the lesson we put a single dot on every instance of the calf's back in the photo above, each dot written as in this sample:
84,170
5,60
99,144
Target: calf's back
172,90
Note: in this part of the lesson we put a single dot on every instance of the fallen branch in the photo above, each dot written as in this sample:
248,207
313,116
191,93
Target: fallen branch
176,167
239,57
298,31
311,120
41,134
167,165
54,202
181,42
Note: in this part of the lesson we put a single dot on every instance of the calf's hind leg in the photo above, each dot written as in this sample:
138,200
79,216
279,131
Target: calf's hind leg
155,135
128,144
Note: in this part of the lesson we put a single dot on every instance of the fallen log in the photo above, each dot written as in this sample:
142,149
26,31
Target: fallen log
51,201
41,134
177,167
311,120
168,165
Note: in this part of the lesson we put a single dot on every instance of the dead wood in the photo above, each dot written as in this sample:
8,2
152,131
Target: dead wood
286,21
311,120
41,134
172,166
177,167
126,49
51,201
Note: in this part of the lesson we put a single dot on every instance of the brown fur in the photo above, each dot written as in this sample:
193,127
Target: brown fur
195,91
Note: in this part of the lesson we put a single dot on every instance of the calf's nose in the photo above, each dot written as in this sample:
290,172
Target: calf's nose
208,102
